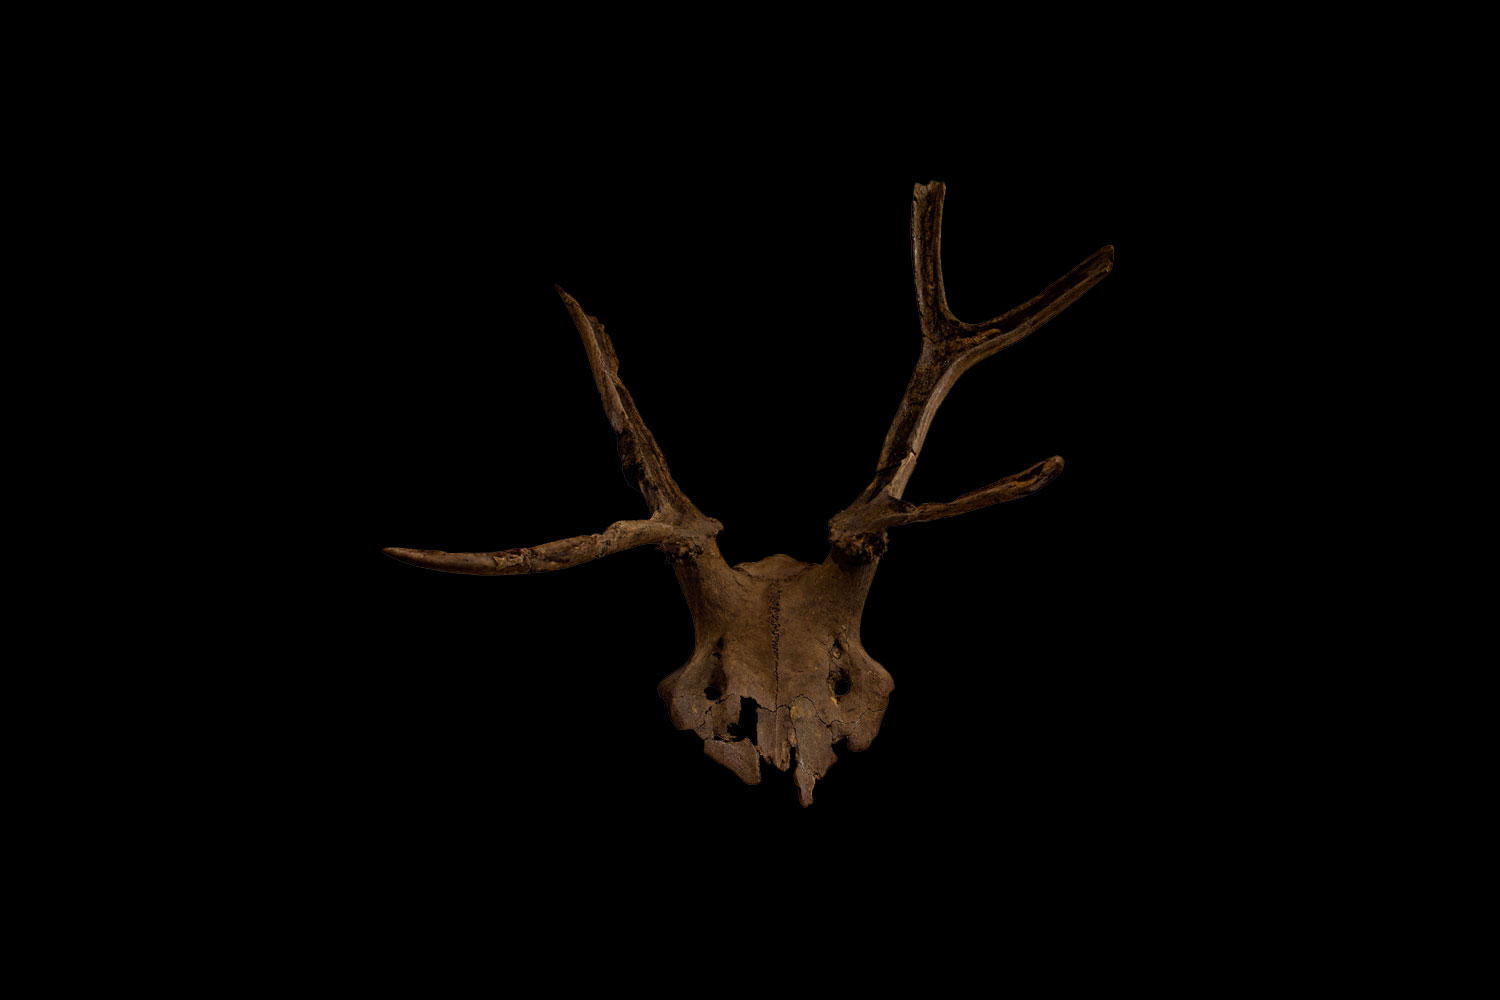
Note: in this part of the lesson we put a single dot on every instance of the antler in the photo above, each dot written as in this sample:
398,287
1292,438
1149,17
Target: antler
949,348
675,524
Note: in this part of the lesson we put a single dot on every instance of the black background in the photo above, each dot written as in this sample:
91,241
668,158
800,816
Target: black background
757,286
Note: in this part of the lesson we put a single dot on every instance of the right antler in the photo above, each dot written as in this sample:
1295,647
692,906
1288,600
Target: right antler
949,348
675,524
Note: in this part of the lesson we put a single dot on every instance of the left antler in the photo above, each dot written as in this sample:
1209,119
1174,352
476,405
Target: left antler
675,524
949,348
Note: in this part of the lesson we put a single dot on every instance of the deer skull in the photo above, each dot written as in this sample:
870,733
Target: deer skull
778,671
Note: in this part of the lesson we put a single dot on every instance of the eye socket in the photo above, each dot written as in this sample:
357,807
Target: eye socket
712,693
841,688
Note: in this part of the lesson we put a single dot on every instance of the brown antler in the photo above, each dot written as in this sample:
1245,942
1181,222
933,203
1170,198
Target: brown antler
949,348
675,524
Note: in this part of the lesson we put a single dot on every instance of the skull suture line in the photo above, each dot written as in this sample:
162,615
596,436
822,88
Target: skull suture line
777,670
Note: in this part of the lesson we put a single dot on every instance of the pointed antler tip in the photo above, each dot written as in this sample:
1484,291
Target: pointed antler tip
472,563
425,558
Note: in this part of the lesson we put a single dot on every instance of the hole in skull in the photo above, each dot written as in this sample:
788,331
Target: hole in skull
748,726
716,681
838,680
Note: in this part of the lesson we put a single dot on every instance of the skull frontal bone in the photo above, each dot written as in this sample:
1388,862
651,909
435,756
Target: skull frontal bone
777,670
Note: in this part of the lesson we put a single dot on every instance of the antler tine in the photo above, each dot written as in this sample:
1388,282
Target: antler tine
553,555
639,453
949,348
675,524
927,260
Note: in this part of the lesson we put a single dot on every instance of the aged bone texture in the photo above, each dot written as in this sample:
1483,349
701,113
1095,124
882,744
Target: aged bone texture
778,671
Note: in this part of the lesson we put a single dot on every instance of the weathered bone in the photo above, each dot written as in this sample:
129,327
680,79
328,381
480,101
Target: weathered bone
778,671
